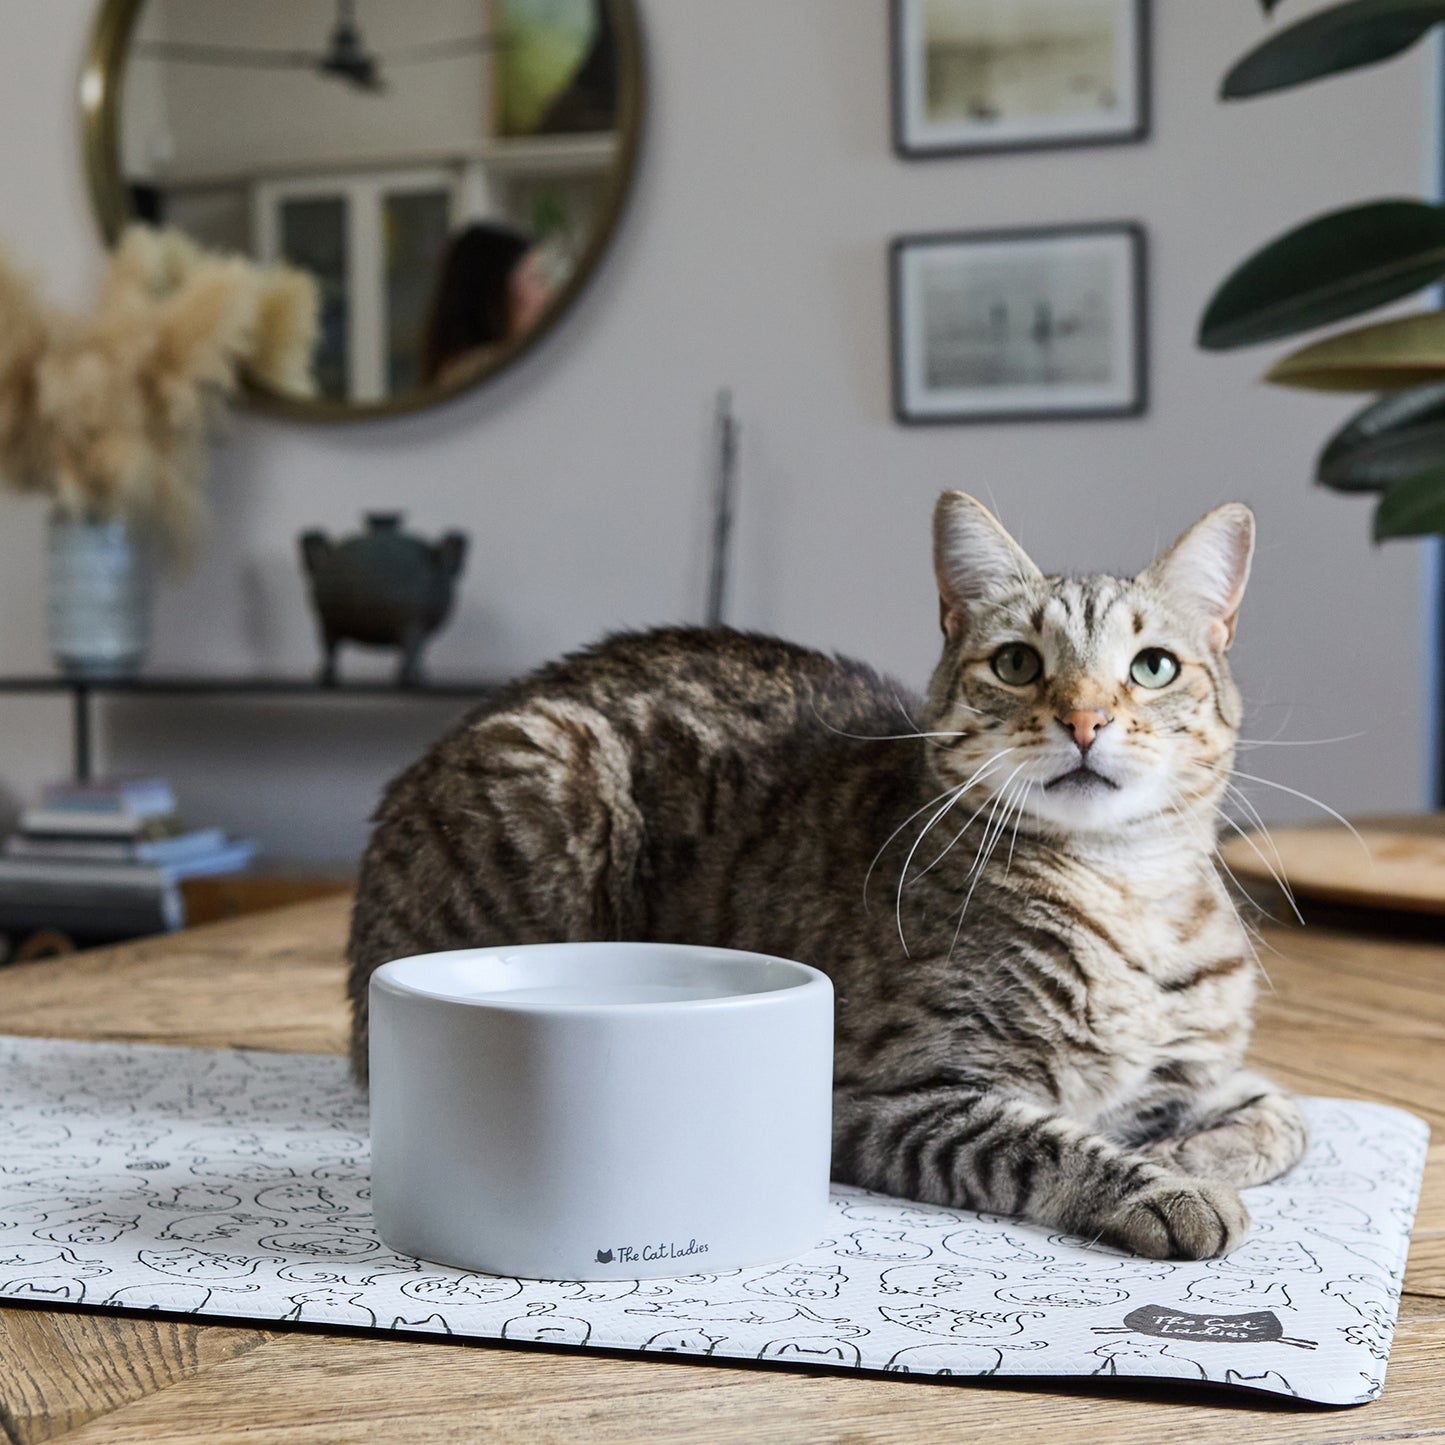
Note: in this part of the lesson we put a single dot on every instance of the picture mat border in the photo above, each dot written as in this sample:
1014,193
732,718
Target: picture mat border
909,146
1131,232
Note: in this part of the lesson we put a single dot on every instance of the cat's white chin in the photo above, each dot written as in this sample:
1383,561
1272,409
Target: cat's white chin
1081,800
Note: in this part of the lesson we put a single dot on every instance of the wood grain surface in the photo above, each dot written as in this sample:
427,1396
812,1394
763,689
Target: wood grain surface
1393,863
1345,1014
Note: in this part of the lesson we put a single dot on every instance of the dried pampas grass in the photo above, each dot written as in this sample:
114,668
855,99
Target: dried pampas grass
109,414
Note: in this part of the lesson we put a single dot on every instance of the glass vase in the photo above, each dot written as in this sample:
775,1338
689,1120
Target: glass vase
99,603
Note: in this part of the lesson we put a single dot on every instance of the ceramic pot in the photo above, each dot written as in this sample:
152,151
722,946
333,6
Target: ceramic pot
99,602
382,588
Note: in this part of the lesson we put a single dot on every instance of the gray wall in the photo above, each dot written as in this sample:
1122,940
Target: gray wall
225,120
754,256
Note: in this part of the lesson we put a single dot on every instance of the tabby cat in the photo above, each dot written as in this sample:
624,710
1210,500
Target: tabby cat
1043,991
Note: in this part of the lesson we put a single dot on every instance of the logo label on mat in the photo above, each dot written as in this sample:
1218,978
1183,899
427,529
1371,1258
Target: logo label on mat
1259,1325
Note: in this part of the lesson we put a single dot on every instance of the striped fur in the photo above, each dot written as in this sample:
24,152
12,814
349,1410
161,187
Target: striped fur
1043,993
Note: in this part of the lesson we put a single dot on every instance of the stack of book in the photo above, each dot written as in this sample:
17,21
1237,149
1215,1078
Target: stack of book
104,860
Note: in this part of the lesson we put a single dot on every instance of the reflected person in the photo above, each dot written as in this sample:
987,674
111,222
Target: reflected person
494,286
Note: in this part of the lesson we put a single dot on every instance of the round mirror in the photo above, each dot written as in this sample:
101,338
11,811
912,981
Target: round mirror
449,171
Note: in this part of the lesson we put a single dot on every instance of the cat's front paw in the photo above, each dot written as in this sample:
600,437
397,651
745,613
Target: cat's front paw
1253,1146
1228,1155
1176,1217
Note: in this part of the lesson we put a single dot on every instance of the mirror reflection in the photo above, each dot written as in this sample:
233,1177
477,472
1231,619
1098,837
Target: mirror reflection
447,170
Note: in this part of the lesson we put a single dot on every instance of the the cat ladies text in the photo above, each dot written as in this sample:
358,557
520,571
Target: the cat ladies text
626,1254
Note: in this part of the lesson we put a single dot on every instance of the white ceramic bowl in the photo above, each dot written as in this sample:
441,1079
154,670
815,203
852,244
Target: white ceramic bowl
600,1110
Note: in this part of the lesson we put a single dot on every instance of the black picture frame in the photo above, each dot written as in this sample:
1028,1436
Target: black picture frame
911,143
1125,395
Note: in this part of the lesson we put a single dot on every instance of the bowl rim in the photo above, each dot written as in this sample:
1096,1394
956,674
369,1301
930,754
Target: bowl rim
388,978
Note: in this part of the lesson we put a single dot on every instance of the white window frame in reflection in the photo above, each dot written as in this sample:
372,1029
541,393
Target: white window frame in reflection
364,195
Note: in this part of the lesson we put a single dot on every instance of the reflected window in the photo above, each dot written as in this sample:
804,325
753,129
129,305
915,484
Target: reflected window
312,235
417,225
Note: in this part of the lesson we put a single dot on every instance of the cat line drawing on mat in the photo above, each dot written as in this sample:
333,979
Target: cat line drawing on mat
1043,991
904,1287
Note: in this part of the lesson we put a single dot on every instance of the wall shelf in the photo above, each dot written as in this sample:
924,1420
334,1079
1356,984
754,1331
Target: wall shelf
83,690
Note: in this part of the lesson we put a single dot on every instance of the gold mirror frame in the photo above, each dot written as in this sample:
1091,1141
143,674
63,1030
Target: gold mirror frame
102,82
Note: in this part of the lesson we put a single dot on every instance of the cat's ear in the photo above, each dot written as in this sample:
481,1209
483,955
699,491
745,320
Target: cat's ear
974,559
1207,568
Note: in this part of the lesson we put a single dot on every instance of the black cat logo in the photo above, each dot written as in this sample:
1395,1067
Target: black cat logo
1258,1325
604,1256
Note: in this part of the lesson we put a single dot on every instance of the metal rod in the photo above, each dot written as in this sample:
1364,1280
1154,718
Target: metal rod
724,488
81,733
1437,621
1438,711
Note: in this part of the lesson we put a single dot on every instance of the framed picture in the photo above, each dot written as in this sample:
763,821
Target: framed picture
1019,325
994,75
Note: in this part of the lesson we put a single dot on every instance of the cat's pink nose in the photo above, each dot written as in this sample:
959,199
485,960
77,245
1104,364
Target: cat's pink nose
1084,723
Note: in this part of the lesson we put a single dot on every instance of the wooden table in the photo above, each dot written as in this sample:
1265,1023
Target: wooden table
1348,1015
1392,862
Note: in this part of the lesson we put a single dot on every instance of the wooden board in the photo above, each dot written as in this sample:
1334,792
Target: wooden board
233,895
1395,863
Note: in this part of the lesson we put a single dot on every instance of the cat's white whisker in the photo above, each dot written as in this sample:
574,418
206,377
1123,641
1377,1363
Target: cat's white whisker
1208,870
1257,940
903,876
1269,867
1254,816
1218,861
1252,938
886,737
984,845
976,872
903,711
913,722
1276,869
956,792
1298,742
1252,935
927,828
1029,784
1304,797
986,853
949,846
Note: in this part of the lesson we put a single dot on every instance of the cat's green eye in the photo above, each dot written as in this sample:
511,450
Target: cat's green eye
1017,664
1154,668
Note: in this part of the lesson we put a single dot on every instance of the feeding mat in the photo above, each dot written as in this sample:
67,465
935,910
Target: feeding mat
233,1184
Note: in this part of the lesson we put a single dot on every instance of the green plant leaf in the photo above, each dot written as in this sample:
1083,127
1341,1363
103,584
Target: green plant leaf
1331,267
1407,351
1391,439
1414,507
1344,37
